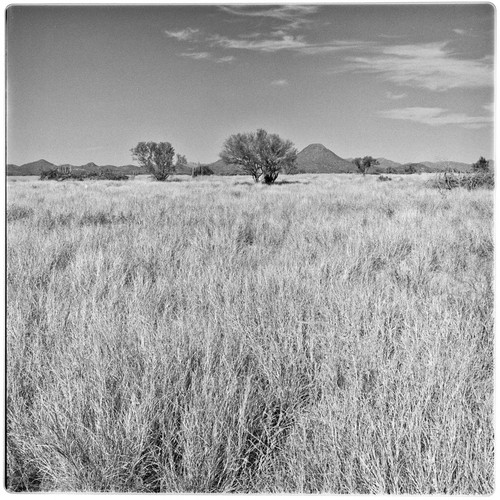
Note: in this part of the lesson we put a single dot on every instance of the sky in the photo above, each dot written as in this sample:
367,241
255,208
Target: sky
403,82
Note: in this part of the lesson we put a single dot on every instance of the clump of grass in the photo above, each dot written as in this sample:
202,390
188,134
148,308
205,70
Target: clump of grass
245,235
18,212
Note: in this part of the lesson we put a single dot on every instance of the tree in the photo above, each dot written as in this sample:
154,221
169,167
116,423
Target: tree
410,169
482,165
181,161
365,163
259,154
157,158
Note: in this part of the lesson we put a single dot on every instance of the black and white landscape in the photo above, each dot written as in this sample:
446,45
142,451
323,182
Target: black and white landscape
250,249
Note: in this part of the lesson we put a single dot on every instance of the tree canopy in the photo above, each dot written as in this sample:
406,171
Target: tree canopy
365,163
259,154
157,158
482,165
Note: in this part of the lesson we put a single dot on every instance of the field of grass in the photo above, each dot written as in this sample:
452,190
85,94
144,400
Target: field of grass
330,333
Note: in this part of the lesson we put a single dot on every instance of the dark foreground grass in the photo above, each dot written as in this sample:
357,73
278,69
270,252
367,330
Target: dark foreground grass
334,334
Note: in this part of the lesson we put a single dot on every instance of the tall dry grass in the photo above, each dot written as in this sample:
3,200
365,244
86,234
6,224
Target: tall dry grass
326,334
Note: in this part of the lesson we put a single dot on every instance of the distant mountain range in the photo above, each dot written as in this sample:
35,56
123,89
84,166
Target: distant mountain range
37,167
314,159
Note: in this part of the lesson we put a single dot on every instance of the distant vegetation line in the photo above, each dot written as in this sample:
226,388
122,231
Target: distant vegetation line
313,159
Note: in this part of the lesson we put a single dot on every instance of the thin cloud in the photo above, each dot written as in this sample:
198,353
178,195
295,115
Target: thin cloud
334,46
182,35
225,59
460,32
292,16
431,66
392,95
207,56
280,83
265,45
196,55
284,12
436,117
287,42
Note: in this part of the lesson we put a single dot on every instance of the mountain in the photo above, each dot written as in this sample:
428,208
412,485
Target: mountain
220,168
317,159
385,163
33,168
12,169
36,168
314,158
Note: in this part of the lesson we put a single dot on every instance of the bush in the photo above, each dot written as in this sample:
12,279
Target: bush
452,180
104,175
482,165
202,170
53,174
384,178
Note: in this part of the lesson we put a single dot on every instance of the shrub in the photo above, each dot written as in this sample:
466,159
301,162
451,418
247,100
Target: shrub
202,170
383,178
410,169
482,165
55,174
451,180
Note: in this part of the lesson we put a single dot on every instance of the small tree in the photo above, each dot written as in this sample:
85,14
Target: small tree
156,158
259,154
410,169
181,161
482,165
365,163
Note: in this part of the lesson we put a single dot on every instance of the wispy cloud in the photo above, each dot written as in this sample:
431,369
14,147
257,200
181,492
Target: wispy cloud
279,12
460,32
287,42
334,46
436,117
225,59
489,107
263,45
206,56
431,66
283,12
392,95
196,55
280,83
183,35
290,17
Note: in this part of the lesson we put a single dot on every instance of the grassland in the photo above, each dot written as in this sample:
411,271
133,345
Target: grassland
330,333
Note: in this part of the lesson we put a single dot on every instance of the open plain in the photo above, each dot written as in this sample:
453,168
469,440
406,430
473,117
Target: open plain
329,333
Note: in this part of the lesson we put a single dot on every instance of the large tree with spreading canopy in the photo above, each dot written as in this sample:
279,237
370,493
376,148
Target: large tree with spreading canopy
259,154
